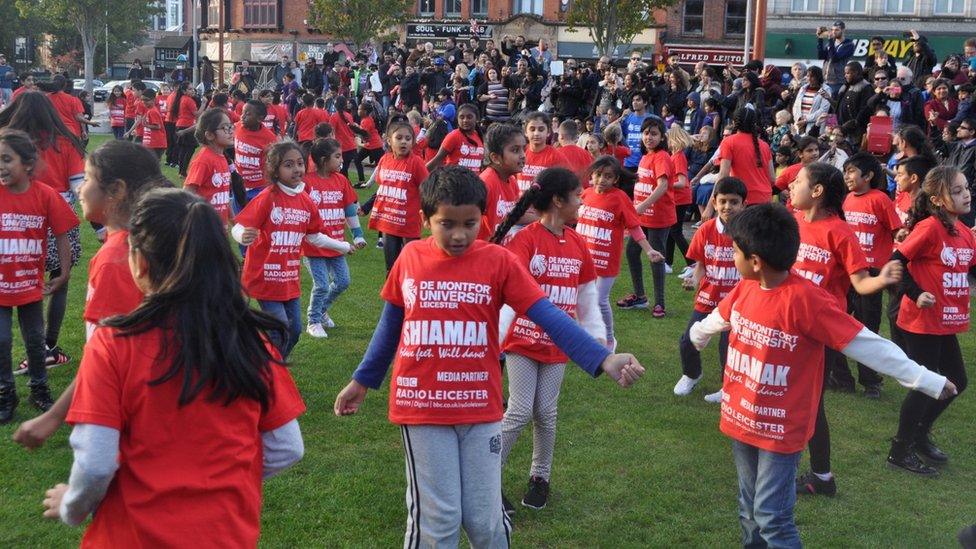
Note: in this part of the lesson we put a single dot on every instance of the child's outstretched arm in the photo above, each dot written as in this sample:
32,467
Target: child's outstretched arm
372,370
865,284
283,447
243,235
34,432
702,331
325,241
639,238
885,357
352,221
96,452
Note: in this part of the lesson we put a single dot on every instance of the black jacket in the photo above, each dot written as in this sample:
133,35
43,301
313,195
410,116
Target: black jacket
851,109
312,80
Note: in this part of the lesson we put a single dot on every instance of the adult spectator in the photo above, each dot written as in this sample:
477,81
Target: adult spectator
941,108
835,50
913,98
410,89
280,70
607,93
178,76
812,102
771,81
494,95
751,93
852,111
514,49
244,76
437,77
136,72
921,60
677,93
955,70
416,54
528,85
474,47
452,54
207,74
542,55
330,57
961,153
709,85
878,58
312,79
567,95
387,78
6,81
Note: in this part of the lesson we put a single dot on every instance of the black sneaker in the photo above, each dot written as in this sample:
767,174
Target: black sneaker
872,391
537,494
926,449
967,537
811,484
903,456
40,397
840,385
509,508
8,403
632,302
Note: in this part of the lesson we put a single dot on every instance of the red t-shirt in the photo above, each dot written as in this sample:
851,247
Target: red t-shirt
111,289
272,266
187,474
396,210
464,149
249,148
163,103
873,217
58,164
68,107
579,160
306,120
330,195
446,368
208,176
154,138
274,120
682,197
713,249
116,113
787,176
170,100
652,167
739,149
774,370
938,261
903,205
535,162
620,152
560,264
502,196
24,221
829,254
344,135
188,112
131,100
140,112
602,221
374,141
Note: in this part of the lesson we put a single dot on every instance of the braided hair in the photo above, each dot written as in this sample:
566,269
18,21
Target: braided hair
550,183
746,120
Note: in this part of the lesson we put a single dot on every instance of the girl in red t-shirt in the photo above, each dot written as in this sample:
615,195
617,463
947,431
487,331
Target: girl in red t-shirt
118,174
678,141
747,157
372,142
184,112
558,259
209,173
464,145
935,309
236,427
28,209
539,154
506,156
116,111
153,131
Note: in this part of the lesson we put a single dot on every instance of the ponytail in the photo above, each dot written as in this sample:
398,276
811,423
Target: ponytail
550,183
745,119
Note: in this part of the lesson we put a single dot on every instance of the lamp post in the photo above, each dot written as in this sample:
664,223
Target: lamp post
220,42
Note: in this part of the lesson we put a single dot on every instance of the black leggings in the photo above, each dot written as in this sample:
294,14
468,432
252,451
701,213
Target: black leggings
392,246
348,157
171,143
867,310
57,304
676,236
819,444
656,238
939,353
185,145
373,155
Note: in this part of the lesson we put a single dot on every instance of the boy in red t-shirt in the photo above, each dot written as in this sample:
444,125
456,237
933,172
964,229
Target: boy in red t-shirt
153,131
440,323
780,323
714,277
579,159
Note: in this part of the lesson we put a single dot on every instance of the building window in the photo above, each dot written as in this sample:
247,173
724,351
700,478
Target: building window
452,8
805,6
260,14
851,6
213,13
425,8
900,6
694,17
735,17
174,15
479,8
948,7
528,6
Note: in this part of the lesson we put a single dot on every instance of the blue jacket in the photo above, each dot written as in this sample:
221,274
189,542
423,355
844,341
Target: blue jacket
835,56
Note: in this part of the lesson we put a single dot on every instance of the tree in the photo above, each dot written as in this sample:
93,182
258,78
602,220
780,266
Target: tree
89,18
613,22
13,27
358,21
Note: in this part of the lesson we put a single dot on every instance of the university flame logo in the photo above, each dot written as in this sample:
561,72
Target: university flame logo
409,290
538,265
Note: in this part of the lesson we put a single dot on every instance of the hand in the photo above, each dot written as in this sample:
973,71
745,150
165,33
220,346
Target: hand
34,432
688,284
949,390
359,243
348,400
623,368
933,116
52,501
249,236
925,300
891,273
56,284
901,235
655,256
351,250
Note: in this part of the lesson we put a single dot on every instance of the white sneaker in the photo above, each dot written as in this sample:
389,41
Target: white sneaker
316,330
667,269
327,321
684,385
687,272
715,397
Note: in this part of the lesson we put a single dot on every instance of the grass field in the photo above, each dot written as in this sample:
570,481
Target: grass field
633,468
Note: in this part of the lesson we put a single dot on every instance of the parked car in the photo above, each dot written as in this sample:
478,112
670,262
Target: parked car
99,94
79,83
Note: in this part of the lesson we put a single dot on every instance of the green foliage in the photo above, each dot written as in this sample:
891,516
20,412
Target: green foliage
358,21
614,22
13,25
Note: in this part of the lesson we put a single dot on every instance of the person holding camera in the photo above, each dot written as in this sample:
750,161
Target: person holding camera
922,59
835,50
567,95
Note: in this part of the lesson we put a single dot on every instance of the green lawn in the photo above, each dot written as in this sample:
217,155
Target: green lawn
633,468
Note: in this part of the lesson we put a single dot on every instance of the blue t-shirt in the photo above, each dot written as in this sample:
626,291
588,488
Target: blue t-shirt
6,78
632,137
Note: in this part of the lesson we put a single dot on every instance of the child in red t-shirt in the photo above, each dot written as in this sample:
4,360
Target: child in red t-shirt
462,146
336,201
935,309
678,141
577,158
613,135
713,278
237,428
153,131
28,210
251,141
606,216
275,225
369,132
116,111
780,323
539,155
208,175
306,120
119,172
506,157
440,323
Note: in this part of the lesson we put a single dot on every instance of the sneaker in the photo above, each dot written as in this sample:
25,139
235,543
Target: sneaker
379,243
56,357
21,368
316,330
507,505
327,321
840,385
537,494
811,484
714,398
40,397
8,403
685,385
687,272
668,269
632,302
872,391
658,311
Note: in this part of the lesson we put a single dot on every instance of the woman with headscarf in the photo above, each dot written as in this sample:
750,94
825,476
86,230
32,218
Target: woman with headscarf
772,83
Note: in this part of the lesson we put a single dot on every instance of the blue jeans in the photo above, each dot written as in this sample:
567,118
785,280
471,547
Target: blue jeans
288,312
767,494
330,277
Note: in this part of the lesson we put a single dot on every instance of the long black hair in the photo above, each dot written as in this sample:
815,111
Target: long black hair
832,181
218,343
550,183
625,178
34,113
936,185
209,121
177,99
746,120
654,122
131,163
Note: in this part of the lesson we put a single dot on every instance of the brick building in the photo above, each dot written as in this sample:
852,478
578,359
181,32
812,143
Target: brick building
706,30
